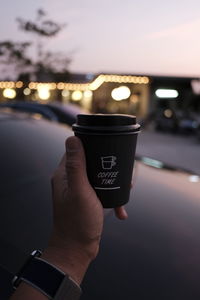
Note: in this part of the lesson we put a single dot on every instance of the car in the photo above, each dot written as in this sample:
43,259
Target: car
66,113
154,254
189,123
54,111
31,108
166,121
171,121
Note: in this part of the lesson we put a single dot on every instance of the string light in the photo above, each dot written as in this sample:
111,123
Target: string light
81,87
19,84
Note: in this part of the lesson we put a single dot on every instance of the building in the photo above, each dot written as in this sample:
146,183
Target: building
112,93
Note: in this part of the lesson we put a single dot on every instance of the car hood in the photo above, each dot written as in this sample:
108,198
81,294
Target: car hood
154,254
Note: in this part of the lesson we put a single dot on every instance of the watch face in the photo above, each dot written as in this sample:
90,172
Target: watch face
56,285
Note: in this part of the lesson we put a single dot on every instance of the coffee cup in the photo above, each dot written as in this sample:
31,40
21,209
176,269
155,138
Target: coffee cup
109,141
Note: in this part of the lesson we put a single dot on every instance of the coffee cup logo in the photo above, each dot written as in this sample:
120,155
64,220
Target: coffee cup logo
108,162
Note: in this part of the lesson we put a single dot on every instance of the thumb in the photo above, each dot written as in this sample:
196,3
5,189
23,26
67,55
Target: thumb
75,164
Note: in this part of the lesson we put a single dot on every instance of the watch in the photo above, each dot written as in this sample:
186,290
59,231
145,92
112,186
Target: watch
47,278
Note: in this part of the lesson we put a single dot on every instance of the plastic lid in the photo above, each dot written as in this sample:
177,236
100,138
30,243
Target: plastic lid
105,120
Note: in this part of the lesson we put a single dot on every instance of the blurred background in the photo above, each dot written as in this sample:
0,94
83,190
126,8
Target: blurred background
62,58
140,58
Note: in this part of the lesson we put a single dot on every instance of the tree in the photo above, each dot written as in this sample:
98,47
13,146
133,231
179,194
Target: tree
46,65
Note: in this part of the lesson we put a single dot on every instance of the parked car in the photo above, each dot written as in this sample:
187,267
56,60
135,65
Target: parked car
166,121
66,113
189,123
54,111
152,255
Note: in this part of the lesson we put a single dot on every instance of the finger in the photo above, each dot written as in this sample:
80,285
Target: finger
132,183
62,162
121,213
59,174
75,164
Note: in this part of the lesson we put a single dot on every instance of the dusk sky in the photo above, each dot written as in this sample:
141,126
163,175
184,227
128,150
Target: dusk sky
137,37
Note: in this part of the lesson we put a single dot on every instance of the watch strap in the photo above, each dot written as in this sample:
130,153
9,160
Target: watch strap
69,289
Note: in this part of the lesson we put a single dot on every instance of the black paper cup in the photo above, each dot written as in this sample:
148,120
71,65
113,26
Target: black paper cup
109,142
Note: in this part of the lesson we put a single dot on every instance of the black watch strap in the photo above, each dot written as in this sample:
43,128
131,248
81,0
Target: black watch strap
48,279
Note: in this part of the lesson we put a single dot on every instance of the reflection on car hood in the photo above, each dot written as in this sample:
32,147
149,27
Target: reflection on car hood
154,163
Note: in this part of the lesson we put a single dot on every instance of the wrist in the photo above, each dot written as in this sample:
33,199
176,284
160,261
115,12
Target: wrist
70,261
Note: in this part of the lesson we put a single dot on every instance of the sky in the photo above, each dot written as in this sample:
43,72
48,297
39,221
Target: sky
117,36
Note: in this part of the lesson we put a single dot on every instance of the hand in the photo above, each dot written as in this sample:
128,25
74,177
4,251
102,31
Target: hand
78,220
78,213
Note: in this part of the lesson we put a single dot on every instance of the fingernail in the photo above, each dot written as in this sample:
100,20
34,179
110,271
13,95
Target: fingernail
72,144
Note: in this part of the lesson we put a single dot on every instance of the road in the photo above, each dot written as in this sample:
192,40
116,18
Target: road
176,150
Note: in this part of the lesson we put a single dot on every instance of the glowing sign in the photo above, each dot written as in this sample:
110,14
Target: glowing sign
166,93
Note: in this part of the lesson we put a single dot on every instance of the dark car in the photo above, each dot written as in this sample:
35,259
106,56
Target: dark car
54,111
189,123
166,120
152,255
66,113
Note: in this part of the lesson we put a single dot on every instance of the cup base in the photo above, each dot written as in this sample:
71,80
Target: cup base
112,199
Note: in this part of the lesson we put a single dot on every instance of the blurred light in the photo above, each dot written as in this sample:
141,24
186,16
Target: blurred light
36,116
9,93
65,93
19,84
43,92
75,86
27,91
77,95
134,99
152,162
146,80
168,113
32,85
97,82
10,85
194,178
53,86
140,80
60,86
166,93
87,99
87,94
121,93
195,83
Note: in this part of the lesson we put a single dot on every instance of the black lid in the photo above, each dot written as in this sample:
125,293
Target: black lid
105,120
106,124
